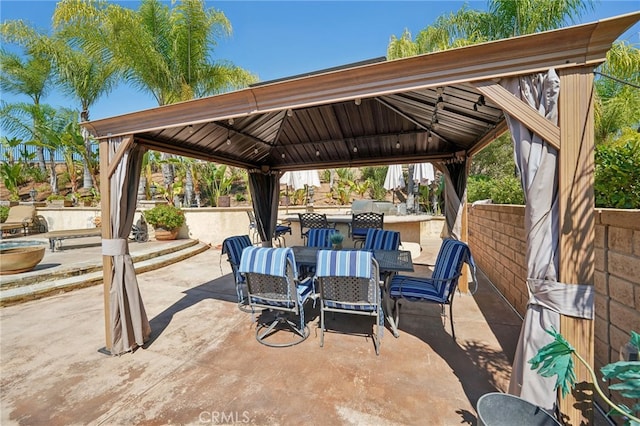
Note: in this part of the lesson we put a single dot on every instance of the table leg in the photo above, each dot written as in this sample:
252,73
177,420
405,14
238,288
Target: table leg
388,304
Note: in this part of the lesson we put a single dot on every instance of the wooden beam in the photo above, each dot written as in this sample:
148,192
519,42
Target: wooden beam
105,219
498,131
124,146
521,111
577,224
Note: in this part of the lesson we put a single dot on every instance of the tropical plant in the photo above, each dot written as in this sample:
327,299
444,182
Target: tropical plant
11,177
556,359
375,176
165,216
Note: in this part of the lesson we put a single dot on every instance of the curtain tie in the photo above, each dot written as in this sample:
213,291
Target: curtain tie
115,247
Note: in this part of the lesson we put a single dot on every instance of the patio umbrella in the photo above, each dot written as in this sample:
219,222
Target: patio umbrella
300,179
394,179
423,173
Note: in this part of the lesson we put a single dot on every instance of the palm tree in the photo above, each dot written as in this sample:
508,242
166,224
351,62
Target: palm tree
503,19
617,86
31,122
30,76
83,77
164,51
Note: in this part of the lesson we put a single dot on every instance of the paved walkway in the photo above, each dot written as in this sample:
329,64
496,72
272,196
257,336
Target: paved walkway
204,366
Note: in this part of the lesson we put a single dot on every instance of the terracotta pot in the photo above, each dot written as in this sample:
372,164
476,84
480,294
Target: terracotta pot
164,235
223,201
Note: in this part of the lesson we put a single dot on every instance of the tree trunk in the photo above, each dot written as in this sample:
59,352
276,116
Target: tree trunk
188,187
53,178
41,161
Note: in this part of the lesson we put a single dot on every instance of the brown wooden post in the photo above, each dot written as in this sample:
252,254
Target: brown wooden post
463,281
577,226
107,264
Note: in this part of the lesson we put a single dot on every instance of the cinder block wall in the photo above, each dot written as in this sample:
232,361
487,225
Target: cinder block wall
497,240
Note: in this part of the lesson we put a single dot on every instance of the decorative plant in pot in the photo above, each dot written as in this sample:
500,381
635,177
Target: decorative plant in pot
336,240
221,184
556,359
166,220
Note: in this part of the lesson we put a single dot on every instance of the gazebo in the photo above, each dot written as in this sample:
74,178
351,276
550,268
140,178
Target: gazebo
441,107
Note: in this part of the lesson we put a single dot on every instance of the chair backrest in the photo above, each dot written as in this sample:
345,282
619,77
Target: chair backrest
367,220
379,239
312,220
452,255
271,276
21,214
233,247
320,237
348,277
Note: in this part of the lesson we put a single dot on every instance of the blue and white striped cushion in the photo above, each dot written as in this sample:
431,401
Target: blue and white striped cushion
380,239
415,288
266,260
437,288
343,263
233,247
364,307
450,258
319,237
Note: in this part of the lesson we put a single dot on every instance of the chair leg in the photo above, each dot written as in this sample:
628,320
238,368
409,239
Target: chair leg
321,327
453,331
396,312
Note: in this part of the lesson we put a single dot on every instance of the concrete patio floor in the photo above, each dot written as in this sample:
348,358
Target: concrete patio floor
203,364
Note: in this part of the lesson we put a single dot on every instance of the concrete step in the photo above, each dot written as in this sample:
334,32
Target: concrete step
38,284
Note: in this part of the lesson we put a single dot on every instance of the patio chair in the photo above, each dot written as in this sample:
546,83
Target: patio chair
349,282
378,239
272,285
21,217
278,234
233,248
361,223
311,221
320,237
440,287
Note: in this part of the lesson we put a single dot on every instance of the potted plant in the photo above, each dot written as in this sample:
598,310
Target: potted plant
221,186
336,240
59,200
166,220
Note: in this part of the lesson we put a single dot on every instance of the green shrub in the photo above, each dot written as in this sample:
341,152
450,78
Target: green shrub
4,213
165,216
506,190
617,175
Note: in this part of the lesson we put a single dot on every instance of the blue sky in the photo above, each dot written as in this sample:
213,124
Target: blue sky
275,39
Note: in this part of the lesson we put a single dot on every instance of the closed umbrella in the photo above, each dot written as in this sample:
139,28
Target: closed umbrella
394,179
301,179
423,173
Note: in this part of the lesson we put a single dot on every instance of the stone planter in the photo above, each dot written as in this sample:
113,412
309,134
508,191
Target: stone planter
165,235
20,256
61,203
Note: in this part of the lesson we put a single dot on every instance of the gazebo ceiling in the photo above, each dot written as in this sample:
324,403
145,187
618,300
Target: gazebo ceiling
428,107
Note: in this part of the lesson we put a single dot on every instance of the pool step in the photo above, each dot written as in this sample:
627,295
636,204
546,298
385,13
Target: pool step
36,284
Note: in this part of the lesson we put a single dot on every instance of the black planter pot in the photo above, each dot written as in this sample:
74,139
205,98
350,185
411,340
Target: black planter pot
501,409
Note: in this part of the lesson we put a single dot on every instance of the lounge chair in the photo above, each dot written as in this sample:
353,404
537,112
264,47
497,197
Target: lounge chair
20,217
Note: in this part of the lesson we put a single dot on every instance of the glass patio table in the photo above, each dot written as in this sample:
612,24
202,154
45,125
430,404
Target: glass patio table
389,261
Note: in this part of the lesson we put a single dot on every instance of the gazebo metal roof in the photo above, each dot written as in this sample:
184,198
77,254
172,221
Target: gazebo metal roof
428,107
